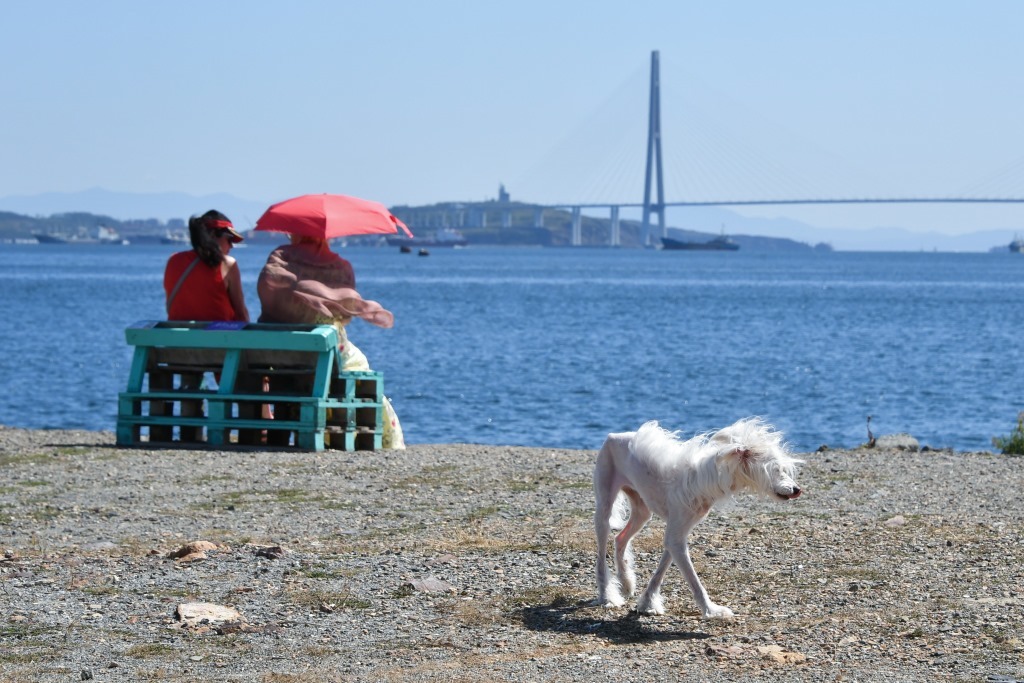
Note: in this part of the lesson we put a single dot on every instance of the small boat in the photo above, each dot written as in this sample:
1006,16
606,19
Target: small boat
424,252
1017,245
405,249
179,237
722,243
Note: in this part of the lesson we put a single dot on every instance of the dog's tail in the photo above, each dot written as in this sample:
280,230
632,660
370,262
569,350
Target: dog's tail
620,512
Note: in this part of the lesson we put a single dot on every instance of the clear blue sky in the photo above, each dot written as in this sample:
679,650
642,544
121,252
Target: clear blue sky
418,102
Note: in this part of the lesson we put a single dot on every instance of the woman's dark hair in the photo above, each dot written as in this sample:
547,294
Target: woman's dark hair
204,239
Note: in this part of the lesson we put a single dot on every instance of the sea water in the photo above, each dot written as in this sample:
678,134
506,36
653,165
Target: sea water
558,347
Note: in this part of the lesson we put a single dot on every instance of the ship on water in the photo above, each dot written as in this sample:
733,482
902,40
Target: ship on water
1017,245
102,235
722,243
179,237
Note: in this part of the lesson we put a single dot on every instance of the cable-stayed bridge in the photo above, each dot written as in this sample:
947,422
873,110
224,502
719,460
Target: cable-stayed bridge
653,202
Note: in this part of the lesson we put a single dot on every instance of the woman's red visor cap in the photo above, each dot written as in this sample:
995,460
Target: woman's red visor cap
225,226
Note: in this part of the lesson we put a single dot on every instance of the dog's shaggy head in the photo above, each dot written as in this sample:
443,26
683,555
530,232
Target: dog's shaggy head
751,455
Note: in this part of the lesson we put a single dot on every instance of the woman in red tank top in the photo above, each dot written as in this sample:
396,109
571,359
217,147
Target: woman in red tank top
204,283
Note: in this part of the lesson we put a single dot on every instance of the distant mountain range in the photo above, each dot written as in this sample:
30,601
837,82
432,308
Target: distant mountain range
164,206
125,206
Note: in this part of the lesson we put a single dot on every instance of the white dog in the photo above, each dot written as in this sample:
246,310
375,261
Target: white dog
679,481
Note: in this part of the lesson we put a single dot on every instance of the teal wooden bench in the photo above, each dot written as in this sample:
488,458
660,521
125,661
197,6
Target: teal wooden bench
205,384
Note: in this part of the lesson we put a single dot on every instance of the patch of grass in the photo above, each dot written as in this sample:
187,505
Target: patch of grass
18,657
471,613
240,499
556,597
212,478
34,482
865,574
433,475
74,450
22,631
403,591
234,499
338,505
336,600
286,495
577,535
45,513
148,650
304,677
7,460
318,652
108,454
523,485
480,513
543,481
376,539
1014,443
491,536
176,593
324,573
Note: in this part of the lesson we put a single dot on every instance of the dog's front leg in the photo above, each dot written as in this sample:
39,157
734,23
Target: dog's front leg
677,543
650,602
680,549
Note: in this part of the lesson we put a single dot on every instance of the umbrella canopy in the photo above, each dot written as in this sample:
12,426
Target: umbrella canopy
329,215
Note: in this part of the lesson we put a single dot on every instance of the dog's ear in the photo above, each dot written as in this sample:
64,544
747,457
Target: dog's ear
739,454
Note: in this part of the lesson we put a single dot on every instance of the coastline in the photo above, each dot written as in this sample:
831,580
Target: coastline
471,562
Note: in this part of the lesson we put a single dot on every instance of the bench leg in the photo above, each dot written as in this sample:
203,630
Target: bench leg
191,381
161,381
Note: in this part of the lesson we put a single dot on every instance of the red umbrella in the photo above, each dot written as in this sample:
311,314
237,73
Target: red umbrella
329,215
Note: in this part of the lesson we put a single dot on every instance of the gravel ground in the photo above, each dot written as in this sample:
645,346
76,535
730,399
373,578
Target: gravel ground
475,563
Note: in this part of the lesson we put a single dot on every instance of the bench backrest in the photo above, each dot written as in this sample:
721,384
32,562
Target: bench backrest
222,335
231,349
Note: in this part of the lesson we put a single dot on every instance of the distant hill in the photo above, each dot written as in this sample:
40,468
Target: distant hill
483,223
128,206
151,213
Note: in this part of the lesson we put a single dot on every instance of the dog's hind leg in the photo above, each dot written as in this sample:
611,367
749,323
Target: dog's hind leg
608,593
639,515
605,493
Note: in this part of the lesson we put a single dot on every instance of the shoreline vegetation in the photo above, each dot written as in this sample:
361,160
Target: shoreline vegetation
475,563
482,224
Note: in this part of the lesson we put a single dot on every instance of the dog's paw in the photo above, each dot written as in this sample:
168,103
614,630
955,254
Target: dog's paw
652,605
714,611
610,600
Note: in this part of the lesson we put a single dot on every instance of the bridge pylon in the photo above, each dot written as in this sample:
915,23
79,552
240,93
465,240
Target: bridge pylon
654,156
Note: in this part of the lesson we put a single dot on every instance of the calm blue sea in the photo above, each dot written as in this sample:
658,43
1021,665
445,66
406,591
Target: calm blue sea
557,347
